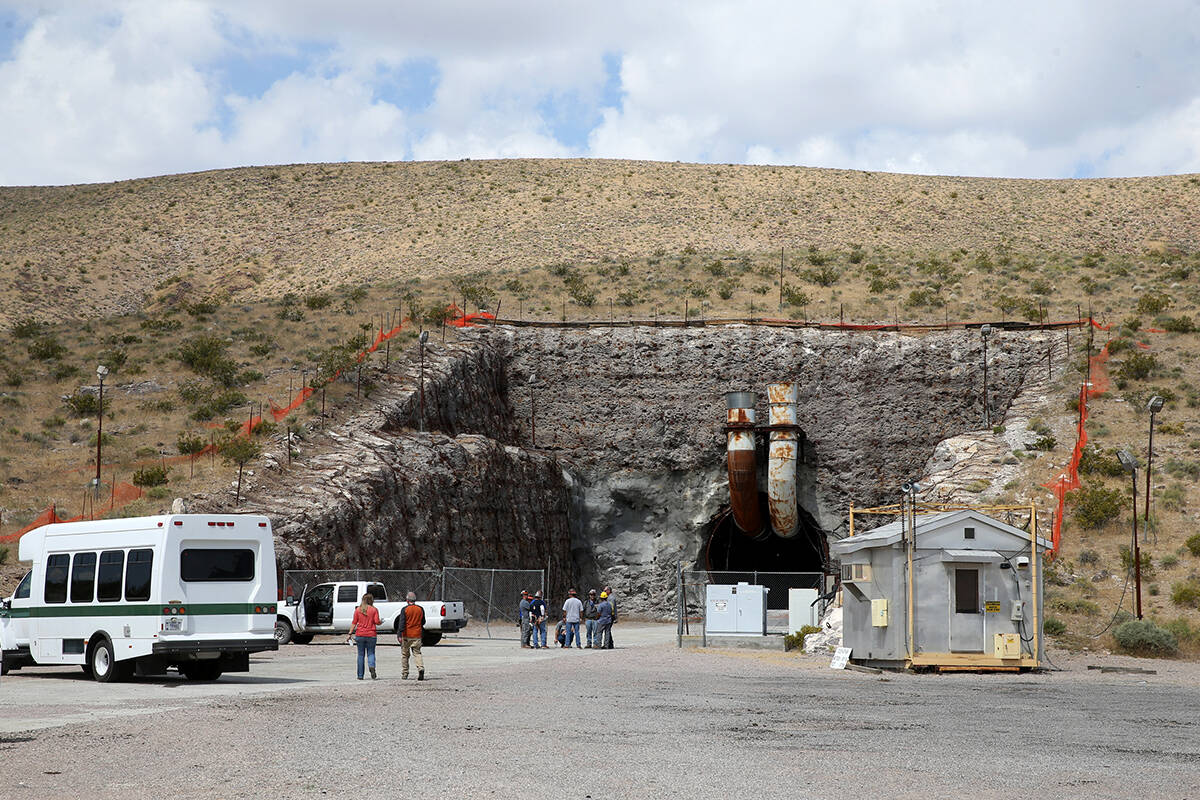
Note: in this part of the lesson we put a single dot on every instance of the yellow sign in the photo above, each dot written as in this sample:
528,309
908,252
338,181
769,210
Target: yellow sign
992,606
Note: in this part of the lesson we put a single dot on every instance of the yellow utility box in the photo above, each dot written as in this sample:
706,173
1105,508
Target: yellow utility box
879,613
1008,645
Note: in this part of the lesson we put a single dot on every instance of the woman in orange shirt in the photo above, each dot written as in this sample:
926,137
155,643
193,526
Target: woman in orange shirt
362,632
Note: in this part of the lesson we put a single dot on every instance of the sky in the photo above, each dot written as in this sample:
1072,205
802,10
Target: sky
102,90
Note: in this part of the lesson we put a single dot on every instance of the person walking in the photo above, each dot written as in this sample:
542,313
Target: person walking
526,624
537,616
410,637
364,634
590,615
572,616
604,623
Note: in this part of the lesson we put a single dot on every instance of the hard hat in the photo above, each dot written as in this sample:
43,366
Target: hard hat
603,594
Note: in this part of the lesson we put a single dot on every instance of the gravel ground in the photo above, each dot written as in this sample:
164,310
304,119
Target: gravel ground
644,720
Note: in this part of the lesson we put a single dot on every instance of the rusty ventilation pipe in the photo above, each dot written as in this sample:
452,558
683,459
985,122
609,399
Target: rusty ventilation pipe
743,469
781,467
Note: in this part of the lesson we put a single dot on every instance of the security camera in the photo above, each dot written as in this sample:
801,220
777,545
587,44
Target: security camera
906,488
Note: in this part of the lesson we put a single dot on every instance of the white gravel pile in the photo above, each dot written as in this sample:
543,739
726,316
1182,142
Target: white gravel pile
830,636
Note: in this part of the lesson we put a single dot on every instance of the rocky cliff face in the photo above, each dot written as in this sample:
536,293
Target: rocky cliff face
621,472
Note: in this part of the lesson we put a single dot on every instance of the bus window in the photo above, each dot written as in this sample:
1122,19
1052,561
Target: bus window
83,578
56,578
108,580
22,592
198,565
137,574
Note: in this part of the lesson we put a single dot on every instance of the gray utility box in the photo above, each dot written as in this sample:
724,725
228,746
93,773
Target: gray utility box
739,610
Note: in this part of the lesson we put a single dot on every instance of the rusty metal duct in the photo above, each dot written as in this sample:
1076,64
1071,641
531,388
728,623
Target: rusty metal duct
743,470
782,455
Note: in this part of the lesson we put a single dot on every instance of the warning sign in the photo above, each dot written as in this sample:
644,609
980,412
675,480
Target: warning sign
992,606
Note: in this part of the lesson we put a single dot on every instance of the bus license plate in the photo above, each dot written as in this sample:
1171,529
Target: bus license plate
173,624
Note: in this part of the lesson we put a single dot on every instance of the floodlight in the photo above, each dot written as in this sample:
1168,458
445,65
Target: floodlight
1127,461
985,329
1155,405
102,372
424,337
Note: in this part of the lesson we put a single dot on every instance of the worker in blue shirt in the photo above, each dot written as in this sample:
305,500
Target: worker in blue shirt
604,623
537,617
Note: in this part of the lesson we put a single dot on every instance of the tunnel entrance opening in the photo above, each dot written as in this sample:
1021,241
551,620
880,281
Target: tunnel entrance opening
727,548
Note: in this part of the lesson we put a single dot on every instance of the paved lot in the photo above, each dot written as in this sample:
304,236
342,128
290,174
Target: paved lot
644,720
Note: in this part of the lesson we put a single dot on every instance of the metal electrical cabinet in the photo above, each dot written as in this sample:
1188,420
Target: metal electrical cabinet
735,610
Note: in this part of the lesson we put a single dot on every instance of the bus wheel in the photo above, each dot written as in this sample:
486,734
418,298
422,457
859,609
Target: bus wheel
104,666
430,638
283,632
201,670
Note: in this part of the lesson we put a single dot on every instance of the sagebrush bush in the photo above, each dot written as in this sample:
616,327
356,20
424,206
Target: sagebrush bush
83,404
1054,626
1153,303
1179,325
1186,593
154,475
1193,544
1143,637
1137,366
1094,506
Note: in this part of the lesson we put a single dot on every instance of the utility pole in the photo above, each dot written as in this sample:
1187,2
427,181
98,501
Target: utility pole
1154,406
101,371
781,277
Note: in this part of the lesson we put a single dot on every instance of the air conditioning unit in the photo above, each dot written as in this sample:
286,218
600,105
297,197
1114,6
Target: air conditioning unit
856,573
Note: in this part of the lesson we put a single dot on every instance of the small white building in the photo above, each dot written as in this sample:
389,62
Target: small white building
963,590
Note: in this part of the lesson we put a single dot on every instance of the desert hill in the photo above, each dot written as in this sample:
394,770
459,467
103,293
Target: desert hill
260,232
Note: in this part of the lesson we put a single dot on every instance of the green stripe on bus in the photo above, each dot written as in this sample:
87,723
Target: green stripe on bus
140,610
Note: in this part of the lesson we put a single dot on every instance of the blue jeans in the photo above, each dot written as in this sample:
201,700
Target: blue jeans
591,631
573,633
539,634
366,647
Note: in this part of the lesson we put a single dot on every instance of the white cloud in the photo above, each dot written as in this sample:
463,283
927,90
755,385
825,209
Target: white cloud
118,88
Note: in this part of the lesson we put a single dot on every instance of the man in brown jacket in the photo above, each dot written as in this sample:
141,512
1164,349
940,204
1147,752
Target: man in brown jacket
410,637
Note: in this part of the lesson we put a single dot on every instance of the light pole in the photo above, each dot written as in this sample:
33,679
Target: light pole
985,331
1154,406
101,371
1130,464
424,337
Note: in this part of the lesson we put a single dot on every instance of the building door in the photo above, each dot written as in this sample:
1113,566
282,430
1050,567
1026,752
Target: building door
966,612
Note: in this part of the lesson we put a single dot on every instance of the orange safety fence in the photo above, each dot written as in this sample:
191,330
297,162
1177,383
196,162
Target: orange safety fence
1068,479
122,494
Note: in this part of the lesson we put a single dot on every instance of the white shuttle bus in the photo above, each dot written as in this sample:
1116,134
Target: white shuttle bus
140,595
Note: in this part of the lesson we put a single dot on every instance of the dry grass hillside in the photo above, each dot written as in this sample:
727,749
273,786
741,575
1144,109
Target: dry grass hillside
264,231
205,293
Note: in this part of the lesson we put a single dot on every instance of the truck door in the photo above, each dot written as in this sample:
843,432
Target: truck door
318,607
343,607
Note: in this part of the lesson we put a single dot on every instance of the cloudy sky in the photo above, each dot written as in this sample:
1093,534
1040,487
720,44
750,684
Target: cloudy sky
98,90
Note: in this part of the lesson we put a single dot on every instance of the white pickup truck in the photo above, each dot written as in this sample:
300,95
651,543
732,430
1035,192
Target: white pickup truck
328,608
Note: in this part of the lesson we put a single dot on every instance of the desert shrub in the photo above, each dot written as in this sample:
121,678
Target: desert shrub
262,349
290,313
189,444
47,348
114,359
794,297
13,378
1168,561
201,308
823,276
1089,557
1075,605
154,475
1180,468
161,325
1143,637
1137,367
1127,561
1054,626
1179,325
1174,497
1153,303
626,298
1045,442
26,328
856,256
247,376
316,302
795,641
716,268
816,257
1183,631
879,285
84,404
1186,593
1094,507
206,356
61,371
1193,544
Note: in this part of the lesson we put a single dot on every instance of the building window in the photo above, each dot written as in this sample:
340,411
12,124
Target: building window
968,533
966,591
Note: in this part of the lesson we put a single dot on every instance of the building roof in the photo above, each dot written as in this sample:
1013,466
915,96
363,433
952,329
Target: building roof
893,532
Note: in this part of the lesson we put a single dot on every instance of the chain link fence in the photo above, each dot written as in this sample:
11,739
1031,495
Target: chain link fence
491,597
690,591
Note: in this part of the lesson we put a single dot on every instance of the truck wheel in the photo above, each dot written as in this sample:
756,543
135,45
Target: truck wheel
283,631
201,670
302,638
104,666
430,638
